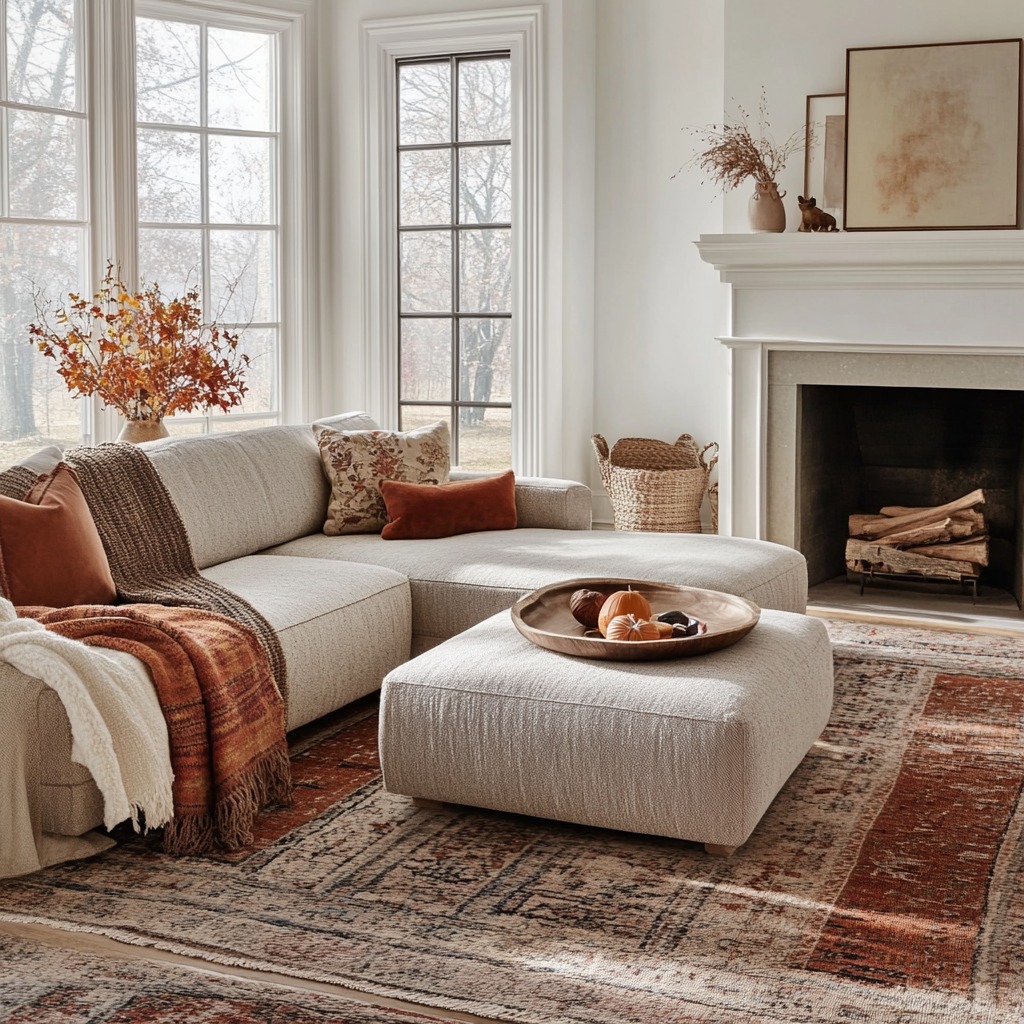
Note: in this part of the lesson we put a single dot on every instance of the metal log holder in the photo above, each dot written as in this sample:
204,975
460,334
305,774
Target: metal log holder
963,580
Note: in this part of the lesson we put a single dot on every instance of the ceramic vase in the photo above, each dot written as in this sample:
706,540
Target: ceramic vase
765,208
137,431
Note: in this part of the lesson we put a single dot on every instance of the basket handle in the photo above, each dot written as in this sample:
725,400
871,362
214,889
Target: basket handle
709,464
601,451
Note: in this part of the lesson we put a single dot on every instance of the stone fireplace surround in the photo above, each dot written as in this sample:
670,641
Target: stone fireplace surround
933,309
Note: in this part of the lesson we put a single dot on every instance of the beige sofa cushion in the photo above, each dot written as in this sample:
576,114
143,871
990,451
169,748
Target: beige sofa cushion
239,493
342,627
459,581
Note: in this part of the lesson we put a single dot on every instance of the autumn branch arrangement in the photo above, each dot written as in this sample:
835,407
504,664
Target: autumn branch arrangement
141,353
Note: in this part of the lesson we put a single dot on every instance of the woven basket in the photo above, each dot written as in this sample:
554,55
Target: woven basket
654,485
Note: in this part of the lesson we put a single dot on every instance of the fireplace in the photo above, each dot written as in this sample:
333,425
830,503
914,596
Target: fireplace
860,448
834,338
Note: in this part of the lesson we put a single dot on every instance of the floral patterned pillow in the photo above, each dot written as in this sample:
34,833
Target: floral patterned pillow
357,461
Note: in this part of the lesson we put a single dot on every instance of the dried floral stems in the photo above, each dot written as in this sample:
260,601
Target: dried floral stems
732,153
145,355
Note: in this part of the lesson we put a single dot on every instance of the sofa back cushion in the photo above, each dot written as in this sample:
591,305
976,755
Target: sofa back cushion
240,493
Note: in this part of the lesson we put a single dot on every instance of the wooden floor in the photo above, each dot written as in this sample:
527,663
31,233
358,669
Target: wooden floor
100,945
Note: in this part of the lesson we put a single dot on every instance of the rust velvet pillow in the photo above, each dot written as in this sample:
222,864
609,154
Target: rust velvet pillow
422,511
50,551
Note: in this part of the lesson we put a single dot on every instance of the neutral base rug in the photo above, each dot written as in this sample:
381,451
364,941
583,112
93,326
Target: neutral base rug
40,984
883,884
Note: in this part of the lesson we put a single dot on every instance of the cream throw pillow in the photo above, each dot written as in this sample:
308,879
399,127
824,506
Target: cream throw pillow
357,461
348,421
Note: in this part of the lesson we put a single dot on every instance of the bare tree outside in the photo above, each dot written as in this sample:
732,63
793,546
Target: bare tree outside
455,251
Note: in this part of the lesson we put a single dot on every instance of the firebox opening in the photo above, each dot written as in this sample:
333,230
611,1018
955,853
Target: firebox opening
862,448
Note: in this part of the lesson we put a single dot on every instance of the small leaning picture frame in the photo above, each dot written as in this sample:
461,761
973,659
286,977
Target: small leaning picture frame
825,152
933,136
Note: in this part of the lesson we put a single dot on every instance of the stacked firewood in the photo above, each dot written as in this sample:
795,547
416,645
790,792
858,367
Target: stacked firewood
948,541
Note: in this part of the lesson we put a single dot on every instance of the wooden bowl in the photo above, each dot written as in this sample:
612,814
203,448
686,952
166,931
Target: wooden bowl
544,618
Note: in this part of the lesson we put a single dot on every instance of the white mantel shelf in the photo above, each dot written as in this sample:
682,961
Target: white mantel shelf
868,259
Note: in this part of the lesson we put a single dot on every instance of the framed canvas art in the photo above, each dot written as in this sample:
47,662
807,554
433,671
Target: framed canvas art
825,152
933,136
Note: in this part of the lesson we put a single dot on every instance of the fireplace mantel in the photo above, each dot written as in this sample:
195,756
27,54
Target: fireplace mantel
871,259
904,309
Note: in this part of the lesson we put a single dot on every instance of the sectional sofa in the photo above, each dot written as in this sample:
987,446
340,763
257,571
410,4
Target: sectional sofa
350,609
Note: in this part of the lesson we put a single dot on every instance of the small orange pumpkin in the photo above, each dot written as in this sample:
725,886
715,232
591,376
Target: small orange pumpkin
623,602
629,627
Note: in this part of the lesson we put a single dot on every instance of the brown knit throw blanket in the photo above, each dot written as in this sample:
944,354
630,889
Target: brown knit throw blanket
225,717
16,482
147,545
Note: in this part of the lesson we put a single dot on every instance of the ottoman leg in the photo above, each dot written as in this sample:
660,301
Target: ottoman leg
719,851
430,805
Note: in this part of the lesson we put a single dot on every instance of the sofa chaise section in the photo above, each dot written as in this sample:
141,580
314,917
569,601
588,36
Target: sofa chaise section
460,581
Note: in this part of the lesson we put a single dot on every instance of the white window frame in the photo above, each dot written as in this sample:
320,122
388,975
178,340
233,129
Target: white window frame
384,42
113,218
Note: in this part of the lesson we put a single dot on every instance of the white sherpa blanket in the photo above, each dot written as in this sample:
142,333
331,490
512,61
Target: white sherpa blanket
117,728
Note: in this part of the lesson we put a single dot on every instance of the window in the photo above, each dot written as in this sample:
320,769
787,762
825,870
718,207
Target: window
453,242
218,162
207,157
44,234
454,165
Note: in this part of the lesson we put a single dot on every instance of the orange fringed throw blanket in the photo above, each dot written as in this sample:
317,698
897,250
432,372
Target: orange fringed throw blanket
225,716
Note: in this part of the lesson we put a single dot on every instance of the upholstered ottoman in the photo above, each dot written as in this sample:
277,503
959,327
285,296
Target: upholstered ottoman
692,748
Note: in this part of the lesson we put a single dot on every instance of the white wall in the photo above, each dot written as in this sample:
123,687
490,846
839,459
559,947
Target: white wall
665,64
658,371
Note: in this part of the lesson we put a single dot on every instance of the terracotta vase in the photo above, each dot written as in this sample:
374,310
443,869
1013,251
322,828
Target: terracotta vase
765,208
137,431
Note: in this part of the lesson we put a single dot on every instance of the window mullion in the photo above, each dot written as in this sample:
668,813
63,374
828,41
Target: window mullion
454,218
3,50
106,38
204,176
5,177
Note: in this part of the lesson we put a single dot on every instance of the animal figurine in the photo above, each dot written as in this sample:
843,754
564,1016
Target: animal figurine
813,219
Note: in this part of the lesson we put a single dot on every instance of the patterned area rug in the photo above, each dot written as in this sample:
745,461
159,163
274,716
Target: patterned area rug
883,884
40,984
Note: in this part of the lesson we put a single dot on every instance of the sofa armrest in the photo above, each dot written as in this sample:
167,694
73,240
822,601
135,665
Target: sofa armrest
546,502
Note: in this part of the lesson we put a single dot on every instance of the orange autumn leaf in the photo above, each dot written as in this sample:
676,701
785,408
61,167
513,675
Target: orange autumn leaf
145,355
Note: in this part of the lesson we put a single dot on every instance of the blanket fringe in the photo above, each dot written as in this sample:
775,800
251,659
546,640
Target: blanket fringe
229,825
151,811
191,833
